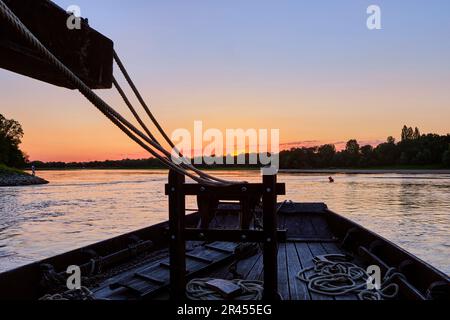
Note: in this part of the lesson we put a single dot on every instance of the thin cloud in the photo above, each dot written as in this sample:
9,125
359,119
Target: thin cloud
340,145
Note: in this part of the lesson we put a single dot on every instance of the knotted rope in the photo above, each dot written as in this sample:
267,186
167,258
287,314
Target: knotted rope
341,277
82,294
197,289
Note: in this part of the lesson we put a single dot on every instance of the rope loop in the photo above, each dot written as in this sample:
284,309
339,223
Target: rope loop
197,289
335,275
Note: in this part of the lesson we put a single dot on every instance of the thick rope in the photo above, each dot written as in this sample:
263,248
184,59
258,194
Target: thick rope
83,294
156,123
197,289
337,278
130,130
168,155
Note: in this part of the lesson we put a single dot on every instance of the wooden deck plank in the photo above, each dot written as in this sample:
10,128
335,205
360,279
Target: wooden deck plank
245,266
310,227
257,272
320,226
299,225
294,226
283,279
305,256
298,289
320,249
159,269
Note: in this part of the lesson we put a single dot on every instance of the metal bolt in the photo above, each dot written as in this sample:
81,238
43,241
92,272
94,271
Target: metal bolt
202,235
269,240
269,190
202,189
244,189
244,237
173,189
173,237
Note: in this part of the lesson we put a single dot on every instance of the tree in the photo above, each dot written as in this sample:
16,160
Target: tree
416,134
366,156
414,149
11,130
404,133
386,154
11,134
352,147
351,153
407,133
446,158
390,140
326,154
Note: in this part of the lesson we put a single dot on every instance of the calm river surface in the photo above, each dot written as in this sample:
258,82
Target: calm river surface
81,207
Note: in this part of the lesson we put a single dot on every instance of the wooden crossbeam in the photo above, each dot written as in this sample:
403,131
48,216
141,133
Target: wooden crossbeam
230,235
229,192
208,196
86,52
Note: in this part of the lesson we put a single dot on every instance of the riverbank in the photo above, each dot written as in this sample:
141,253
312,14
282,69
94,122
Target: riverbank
12,178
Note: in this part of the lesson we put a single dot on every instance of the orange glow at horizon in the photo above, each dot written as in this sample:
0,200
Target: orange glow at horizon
317,80
67,128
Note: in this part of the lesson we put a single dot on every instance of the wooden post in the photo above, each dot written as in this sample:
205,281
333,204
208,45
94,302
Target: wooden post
177,245
270,234
246,215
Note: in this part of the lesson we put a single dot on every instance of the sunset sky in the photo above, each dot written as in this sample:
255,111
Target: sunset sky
309,68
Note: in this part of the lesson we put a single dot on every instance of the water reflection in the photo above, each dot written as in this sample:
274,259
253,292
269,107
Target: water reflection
81,207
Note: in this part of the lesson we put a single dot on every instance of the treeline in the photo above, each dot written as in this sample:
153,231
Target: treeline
11,134
150,163
109,164
414,149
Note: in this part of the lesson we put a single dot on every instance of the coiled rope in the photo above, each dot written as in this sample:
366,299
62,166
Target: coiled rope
82,294
147,142
337,278
197,289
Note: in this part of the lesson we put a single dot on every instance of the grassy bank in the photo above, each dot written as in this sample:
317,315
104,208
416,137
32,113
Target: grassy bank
5,170
10,177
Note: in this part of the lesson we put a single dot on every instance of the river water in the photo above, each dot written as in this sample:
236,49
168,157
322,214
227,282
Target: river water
82,207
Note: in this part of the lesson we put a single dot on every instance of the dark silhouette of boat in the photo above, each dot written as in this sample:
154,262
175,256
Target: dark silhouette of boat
136,265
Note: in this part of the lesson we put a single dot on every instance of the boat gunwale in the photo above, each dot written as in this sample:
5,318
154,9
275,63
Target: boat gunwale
336,224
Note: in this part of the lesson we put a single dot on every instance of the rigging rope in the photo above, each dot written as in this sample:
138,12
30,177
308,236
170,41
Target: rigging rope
184,164
149,143
341,277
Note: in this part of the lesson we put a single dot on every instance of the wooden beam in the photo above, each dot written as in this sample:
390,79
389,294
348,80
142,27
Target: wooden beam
230,192
85,51
233,235
177,242
270,257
